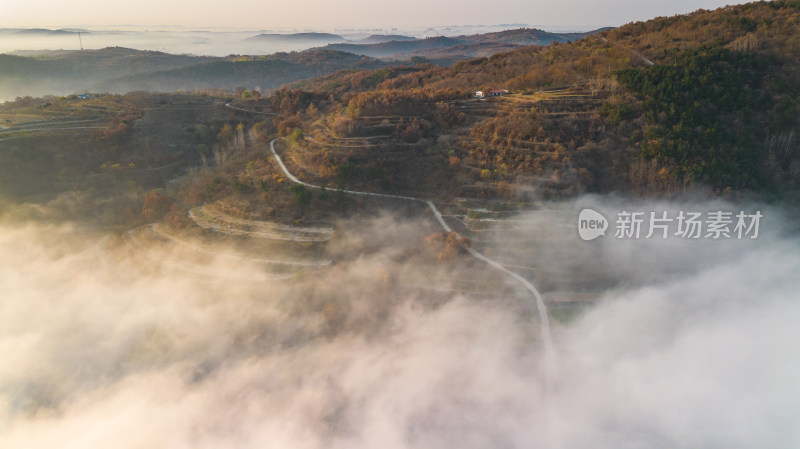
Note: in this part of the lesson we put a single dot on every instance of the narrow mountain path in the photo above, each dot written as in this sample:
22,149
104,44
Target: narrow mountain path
544,319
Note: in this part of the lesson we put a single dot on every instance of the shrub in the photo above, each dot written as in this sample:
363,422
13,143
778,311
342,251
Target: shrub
300,194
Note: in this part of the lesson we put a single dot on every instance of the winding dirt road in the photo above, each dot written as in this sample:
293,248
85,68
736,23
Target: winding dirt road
550,362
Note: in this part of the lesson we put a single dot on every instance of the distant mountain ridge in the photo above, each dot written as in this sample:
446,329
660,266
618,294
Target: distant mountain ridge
403,49
384,49
41,31
297,37
707,101
119,69
266,72
69,71
379,38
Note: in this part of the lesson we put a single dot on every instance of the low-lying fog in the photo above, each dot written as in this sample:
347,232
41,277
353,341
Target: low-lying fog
203,42
695,346
206,43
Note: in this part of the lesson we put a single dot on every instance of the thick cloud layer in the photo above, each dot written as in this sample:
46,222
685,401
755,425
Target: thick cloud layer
99,353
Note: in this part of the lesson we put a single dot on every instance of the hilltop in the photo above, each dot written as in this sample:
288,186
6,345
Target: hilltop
706,100
41,31
457,47
312,38
703,103
69,71
264,72
121,70
378,38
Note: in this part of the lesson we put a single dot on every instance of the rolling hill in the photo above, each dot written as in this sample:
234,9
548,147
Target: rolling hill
119,70
304,38
703,103
379,38
66,72
265,72
41,31
459,47
706,101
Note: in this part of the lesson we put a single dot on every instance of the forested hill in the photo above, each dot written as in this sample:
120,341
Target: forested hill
707,99
436,47
62,71
121,70
265,72
311,38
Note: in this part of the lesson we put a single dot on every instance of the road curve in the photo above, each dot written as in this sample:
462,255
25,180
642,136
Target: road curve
550,362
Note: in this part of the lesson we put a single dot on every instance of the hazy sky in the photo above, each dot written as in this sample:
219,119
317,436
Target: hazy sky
325,14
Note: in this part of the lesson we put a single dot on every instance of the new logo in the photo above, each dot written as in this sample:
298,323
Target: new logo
591,224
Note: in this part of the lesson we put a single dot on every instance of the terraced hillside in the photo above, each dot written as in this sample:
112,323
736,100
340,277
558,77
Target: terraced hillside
704,101
481,154
596,115
100,159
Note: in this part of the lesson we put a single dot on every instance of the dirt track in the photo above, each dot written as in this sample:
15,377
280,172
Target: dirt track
550,363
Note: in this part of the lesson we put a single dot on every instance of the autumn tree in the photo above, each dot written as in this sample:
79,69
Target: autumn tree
155,205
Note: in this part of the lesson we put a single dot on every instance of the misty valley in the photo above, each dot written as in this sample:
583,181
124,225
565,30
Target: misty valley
466,237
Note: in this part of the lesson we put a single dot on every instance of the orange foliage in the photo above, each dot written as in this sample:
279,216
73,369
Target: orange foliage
448,246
